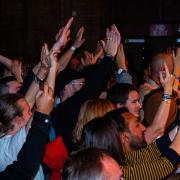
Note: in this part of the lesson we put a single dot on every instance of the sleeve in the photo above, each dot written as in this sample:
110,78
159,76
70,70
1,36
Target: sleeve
163,145
94,84
27,82
30,156
123,76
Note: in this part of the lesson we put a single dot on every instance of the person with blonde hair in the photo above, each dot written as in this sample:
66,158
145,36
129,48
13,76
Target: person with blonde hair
89,110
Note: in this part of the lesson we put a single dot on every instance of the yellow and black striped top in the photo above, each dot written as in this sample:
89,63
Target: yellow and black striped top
147,164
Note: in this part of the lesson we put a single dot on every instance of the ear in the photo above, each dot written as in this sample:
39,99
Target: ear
17,120
124,137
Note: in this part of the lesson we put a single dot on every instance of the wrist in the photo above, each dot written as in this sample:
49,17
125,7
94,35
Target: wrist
73,48
166,98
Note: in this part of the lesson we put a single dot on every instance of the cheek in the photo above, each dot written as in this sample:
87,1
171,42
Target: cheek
131,107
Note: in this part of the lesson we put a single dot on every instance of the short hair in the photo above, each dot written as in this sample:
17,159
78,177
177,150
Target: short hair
117,115
89,110
9,109
85,164
103,133
119,92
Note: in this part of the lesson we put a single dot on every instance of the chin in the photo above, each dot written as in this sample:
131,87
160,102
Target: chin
136,114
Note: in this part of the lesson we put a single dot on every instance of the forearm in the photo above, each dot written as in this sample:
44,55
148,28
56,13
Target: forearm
36,68
5,61
158,125
175,145
52,77
34,87
65,59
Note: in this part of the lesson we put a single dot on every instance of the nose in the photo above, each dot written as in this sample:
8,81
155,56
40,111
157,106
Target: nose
139,104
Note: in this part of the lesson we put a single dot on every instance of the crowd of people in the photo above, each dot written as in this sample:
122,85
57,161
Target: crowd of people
75,118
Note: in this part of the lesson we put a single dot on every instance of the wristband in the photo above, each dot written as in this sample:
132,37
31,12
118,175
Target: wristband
166,97
73,48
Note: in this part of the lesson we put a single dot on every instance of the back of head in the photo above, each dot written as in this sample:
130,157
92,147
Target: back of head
117,116
104,134
91,109
9,109
157,65
118,93
84,164
91,164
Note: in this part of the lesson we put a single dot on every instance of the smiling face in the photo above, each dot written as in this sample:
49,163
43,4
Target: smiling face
132,104
26,112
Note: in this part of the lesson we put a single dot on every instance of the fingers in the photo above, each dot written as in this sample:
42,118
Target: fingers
39,94
161,77
50,92
80,33
45,91
166,69
69,23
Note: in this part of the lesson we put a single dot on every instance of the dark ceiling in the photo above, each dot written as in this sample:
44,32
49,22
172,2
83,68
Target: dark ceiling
26,24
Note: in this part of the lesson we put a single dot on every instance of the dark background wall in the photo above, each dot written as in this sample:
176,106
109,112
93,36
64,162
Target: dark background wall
26,24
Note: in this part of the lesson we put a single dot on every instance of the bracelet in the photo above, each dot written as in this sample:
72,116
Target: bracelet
73,48
39,81
166,97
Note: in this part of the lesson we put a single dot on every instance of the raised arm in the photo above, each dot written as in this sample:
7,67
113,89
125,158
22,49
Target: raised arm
66,57
30,156
6,61
157,127
38,81
16,69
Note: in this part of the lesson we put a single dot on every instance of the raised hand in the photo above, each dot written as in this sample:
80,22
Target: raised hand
112,43
88,60
45,100
99,51
62,37
45,56
166,80
79,38
16,69
115,29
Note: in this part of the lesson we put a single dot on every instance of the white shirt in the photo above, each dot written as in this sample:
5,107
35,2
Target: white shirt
10,145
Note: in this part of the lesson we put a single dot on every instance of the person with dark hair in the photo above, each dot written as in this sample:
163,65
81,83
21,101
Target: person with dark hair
68,110
125,95
141,161
15,114
103,134
91,164
27,162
